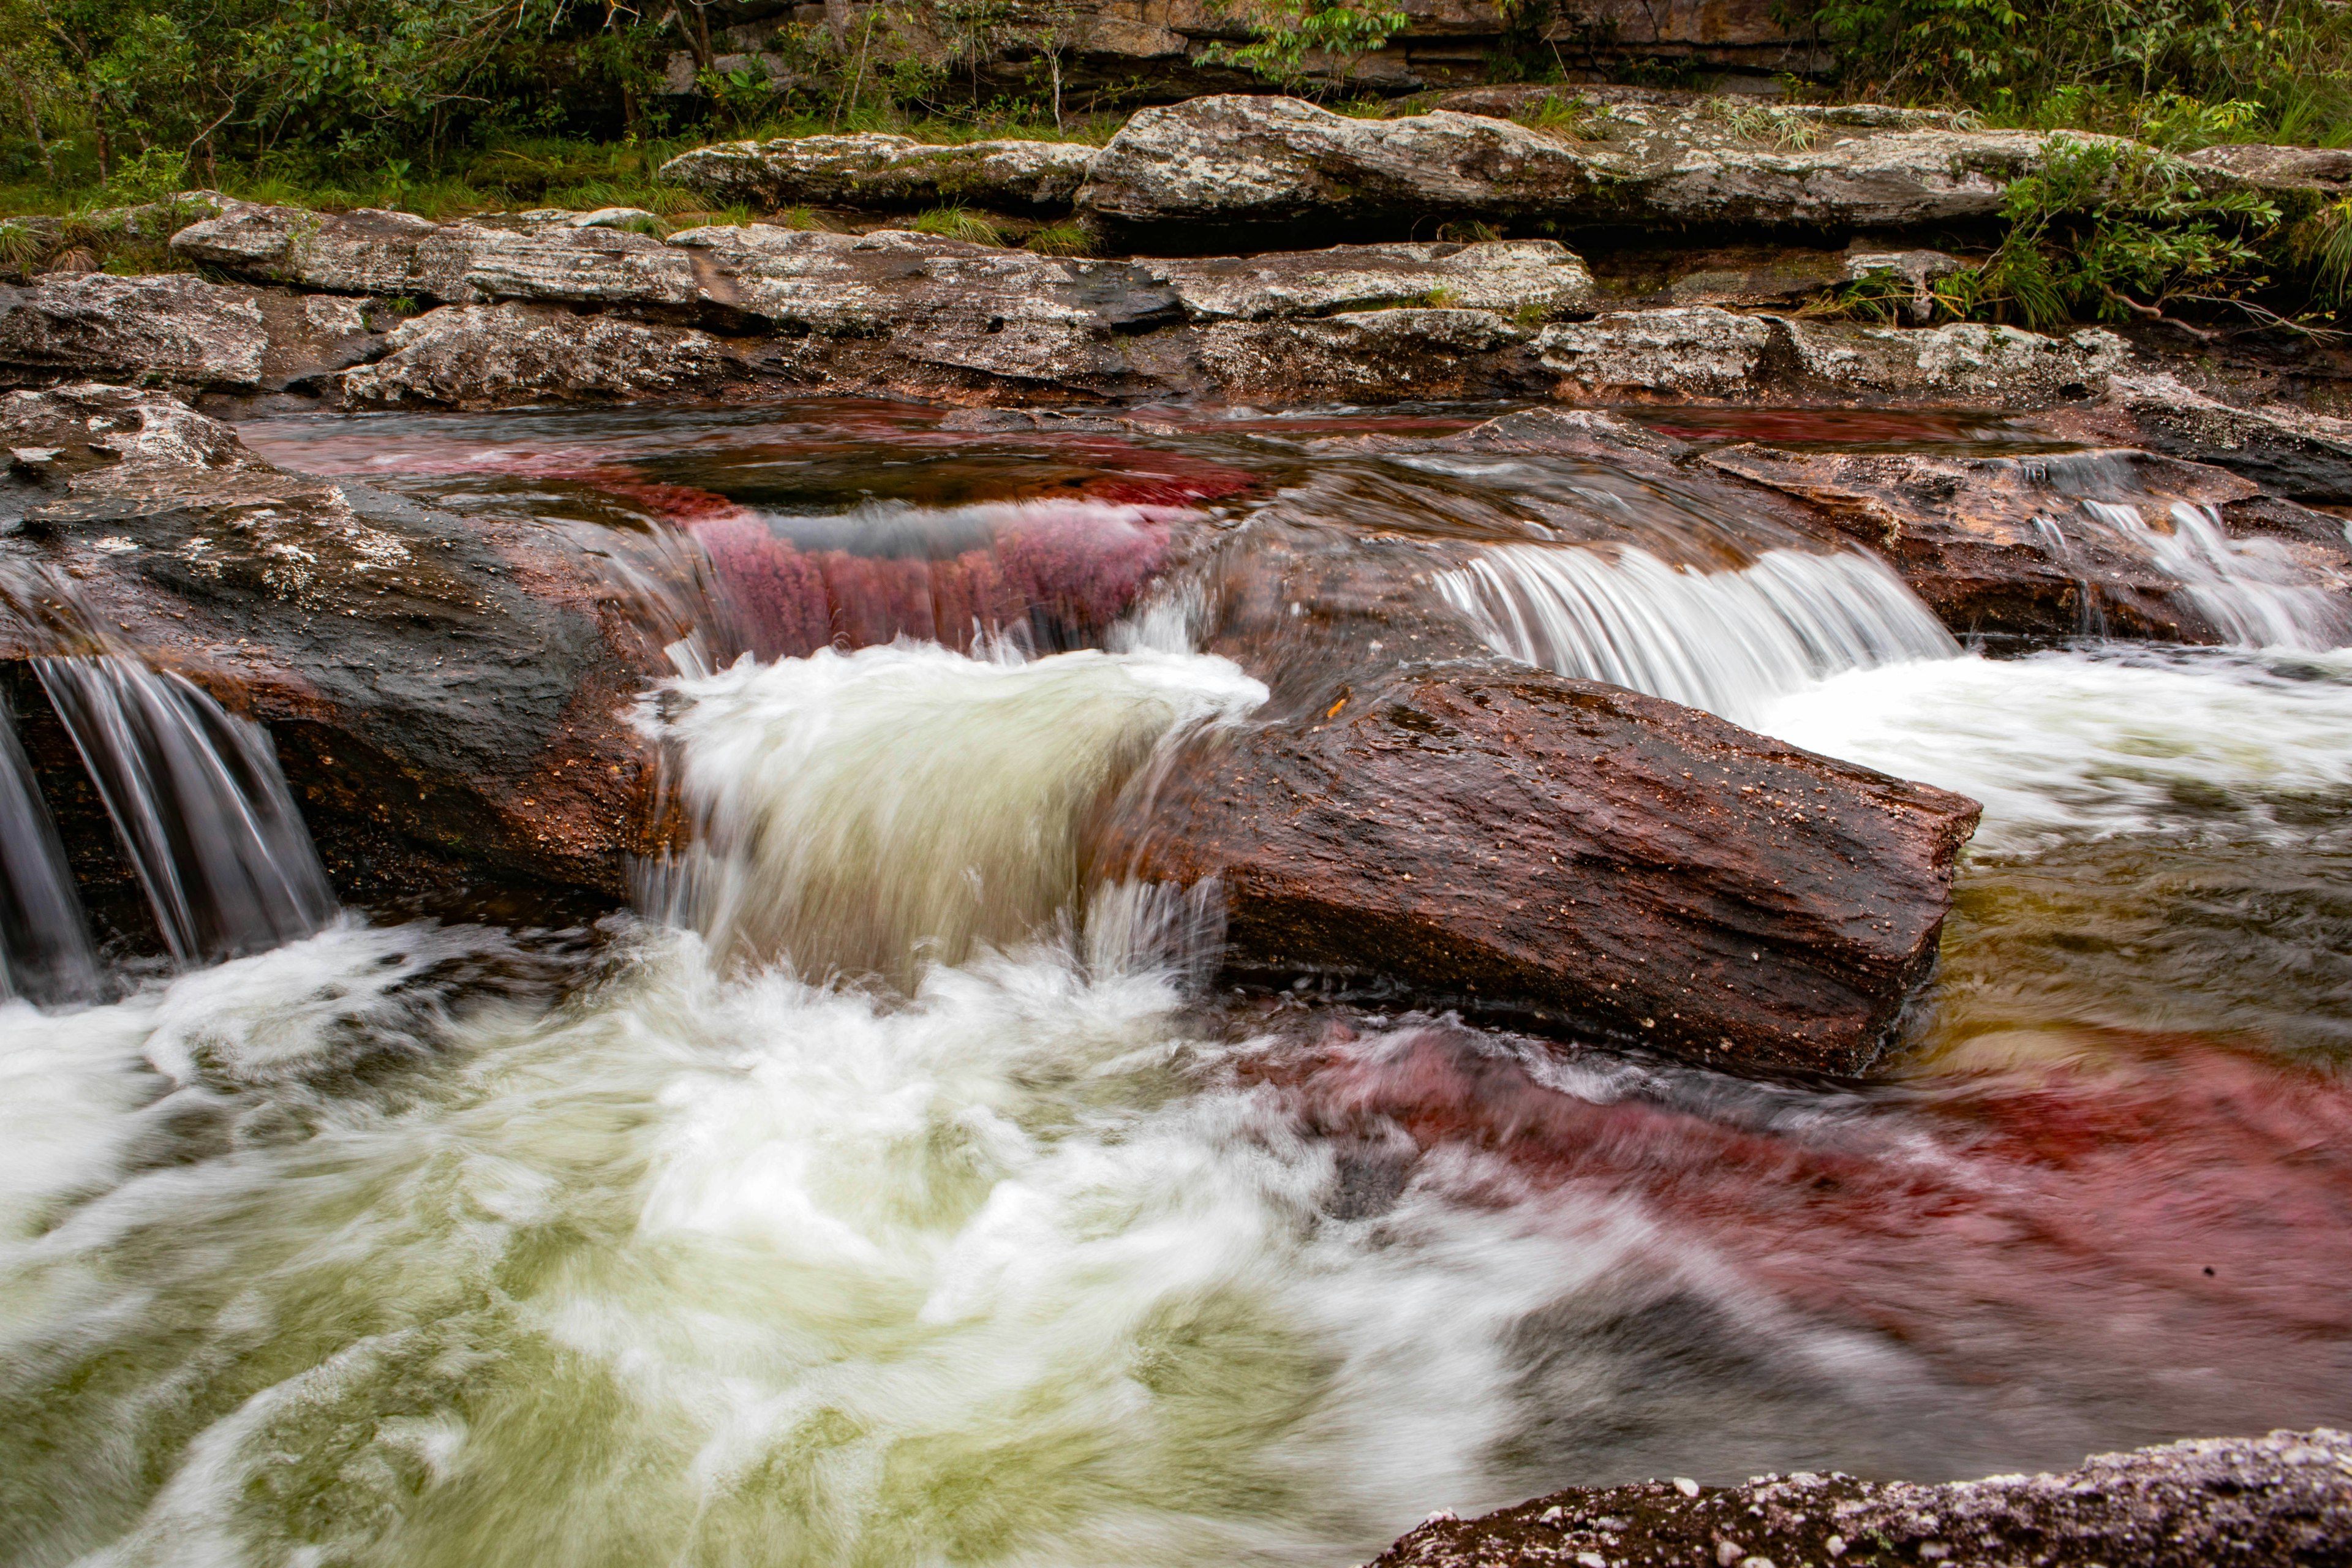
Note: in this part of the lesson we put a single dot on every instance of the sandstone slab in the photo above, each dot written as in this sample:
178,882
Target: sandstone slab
450,697
2117,543
484,355
176,328
873,169
1575,856
1179,173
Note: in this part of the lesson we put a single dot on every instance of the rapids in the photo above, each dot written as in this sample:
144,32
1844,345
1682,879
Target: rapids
892,1188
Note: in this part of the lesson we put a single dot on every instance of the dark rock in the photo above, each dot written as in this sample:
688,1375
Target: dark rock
449,697
2018,545
2279,1501
1572,855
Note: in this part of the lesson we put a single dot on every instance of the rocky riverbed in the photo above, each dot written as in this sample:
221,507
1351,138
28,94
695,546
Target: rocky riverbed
1450,596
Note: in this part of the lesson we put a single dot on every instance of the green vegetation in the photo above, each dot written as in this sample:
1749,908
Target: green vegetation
960,223
2179,73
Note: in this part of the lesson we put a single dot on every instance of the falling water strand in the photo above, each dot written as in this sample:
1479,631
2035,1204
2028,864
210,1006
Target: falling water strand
879,812
1729,642
203,813
2250,589
49,956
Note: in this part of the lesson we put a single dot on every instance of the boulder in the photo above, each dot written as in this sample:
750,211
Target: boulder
2277,1502
1573,857
368,251
470,356
175,328
1178,175
2068,543
869,169
450,697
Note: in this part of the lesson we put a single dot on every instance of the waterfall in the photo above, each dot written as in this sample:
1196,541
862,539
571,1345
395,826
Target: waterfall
43,934
2250,589
879,812
1729,642
203,813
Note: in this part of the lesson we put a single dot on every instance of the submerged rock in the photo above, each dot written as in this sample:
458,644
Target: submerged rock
1575,856
448,696
2278,1501
872,169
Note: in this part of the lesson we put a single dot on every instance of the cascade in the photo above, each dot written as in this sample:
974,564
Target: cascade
881,811
2250,589
43,933
202,809
1728,641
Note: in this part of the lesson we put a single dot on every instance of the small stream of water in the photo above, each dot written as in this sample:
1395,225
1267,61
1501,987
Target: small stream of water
883,1193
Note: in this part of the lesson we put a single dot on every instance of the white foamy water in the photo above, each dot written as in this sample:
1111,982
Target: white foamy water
1729,642
873,812
2252,590
308,1259
2122,741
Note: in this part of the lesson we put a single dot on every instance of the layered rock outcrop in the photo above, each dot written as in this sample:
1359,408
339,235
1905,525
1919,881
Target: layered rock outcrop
2276,1501
1188,174
870,169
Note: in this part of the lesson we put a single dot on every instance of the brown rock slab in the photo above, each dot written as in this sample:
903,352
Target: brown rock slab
2011,545
449,696
1574,856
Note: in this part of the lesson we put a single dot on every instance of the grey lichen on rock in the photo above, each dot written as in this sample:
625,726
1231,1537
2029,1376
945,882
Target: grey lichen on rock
473,355
2284,1500
874,169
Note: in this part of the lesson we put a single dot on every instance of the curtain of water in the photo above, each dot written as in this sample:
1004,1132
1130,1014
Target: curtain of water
201,806
1729,642
2250,589
49,956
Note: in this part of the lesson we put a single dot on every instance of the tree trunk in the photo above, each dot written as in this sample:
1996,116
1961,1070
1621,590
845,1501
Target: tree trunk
32,118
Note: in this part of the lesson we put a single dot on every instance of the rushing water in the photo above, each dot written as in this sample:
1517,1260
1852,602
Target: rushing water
889,1191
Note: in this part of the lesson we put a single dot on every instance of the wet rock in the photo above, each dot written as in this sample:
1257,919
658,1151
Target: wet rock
871,169
2292,452
485,355
2277,1502
1175,176
2062,545
1375,355
176,328
1573,857
448,696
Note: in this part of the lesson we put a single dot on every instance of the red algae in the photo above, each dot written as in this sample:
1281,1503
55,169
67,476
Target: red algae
2157,1209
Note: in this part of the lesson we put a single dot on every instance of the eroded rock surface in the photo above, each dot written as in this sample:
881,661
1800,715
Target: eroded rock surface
1269,162
2072,543
478,356
176,328
1574,855
448,696
2284,1500
873,169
